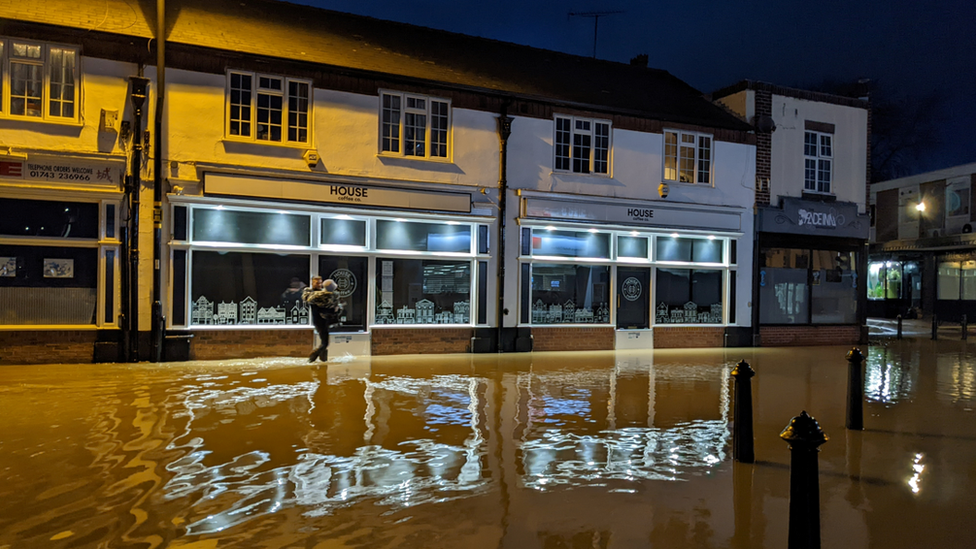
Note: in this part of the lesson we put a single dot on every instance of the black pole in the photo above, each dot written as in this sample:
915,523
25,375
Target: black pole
965,327
804,436
504,132
742,437
855,390
158,321
899,326
139,92
935,328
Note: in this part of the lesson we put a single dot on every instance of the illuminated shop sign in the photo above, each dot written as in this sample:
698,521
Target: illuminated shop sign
812,217
663,216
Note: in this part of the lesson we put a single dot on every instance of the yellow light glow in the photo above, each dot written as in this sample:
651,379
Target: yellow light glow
920,206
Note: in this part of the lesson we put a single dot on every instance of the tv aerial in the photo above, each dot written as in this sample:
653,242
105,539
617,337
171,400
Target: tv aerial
596,15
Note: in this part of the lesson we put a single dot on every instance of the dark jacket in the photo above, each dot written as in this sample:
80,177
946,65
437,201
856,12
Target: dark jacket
324,304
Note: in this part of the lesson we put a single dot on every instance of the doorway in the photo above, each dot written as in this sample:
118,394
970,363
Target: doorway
633,298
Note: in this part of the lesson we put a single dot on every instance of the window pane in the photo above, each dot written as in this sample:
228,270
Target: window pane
48,285
298,96
876,280
62,83
438,129
601,148
957,201
570,294
349,274
783,286
670,156
704,159
422,237
269,117
179,287
632,246
19,217
823,176
968,280
810,174
422,291
240,104
833,297
414,134
230,288
688,296
562,143
570,243
810,144
250,227
344,232
390,139
949,274
26,83
581,153
825,145
686,164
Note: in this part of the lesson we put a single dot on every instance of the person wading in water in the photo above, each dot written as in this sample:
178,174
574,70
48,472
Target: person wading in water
325,307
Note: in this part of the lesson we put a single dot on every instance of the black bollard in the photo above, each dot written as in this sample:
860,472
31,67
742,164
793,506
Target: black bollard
742,438
935,328
855,390
899,326
804,436
965,328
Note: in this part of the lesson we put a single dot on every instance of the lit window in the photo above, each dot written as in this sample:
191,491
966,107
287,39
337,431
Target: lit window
414,125
582,145
817,161
687,157
38,80
268,108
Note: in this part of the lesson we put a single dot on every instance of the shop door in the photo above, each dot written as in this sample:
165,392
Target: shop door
633,298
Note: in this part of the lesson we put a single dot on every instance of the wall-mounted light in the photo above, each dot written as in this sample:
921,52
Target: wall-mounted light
920,206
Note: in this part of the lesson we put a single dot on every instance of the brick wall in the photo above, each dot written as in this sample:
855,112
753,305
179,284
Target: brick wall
219,344
47,347
764,147
573,339
410,341
782,336
686,337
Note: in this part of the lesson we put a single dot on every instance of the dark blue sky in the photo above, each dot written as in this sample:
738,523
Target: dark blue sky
910,48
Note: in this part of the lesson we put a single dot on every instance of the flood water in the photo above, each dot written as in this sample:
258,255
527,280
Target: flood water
547,450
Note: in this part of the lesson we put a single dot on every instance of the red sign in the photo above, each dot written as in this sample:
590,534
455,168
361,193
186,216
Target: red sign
11,169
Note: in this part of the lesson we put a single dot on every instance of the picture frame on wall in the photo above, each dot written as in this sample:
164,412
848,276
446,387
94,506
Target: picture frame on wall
59,268
8,267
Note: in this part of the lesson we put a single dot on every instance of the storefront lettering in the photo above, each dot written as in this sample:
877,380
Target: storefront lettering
640,213
817,219
349,194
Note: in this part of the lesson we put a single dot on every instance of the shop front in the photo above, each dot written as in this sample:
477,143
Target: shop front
605,275
810,260
410,280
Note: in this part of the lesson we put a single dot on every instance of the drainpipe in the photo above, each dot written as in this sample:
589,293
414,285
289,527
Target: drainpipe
158,321
504,131
140,86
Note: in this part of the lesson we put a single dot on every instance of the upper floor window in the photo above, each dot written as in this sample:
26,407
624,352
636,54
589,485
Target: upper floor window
687,157
817,159
262,107
39,80
582,145
414,125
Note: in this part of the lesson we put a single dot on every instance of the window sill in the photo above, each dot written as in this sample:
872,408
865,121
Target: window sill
823,197
273,144
434,160
66,122
590,174
687,184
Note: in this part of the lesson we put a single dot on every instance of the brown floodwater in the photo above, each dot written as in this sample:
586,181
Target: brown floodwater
547,450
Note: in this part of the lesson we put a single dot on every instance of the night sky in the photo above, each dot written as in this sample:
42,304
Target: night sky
910,49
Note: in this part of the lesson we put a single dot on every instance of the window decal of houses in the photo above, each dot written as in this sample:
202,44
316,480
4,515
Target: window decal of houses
204,312
423,313
688,313
569,313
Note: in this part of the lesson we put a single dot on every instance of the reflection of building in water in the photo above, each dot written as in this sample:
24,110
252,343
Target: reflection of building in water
568,313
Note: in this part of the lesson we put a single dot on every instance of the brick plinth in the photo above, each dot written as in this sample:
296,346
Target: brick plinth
415,341
573,339
688,337
220,344
47,347
782,336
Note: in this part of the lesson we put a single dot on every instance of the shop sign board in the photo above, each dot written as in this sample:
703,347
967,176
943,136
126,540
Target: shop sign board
812,217
623,213
63,170
335,193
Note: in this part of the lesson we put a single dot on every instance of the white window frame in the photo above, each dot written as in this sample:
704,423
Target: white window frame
574,121
252,135
401,127
7,59
674,174
824,150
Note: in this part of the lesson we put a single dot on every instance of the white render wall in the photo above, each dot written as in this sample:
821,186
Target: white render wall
848,182
345,132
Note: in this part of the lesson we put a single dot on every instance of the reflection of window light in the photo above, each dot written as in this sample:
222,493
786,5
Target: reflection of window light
634,233
550,228
917,468
675,235
711,237
343,216
399,220
591,230
453,223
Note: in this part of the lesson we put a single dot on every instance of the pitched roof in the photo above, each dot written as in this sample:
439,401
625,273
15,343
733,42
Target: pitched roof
269,28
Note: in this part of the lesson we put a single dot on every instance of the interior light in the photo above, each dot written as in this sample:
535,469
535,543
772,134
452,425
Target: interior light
221,207
453,223
711,237
634,233
674,235
550,228
592,230
282,211
343,216
920,206
399,220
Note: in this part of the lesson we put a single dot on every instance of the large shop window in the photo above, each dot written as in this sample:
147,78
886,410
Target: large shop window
581,244
48,219
349,274
957,280
688,296
697,250
798,286
423,237
570,294
230,288
894,280
47,285
423,291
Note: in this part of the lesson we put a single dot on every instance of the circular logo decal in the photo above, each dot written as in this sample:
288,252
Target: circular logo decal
345,280
631,289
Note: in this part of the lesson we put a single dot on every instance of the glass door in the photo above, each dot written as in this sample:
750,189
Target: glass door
633,298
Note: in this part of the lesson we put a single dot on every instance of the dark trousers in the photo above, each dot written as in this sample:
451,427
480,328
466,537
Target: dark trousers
322,327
